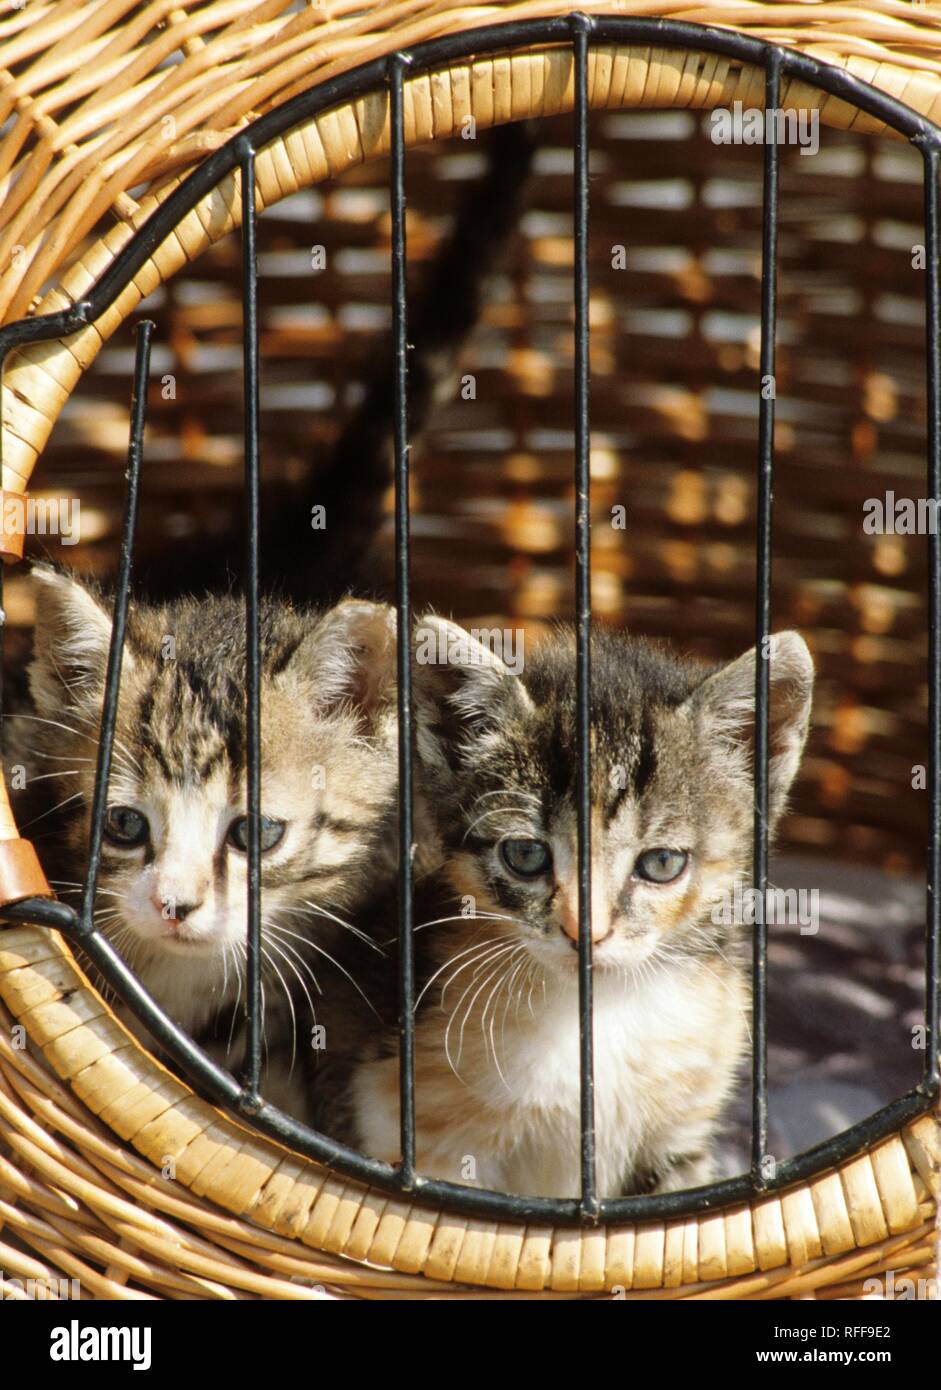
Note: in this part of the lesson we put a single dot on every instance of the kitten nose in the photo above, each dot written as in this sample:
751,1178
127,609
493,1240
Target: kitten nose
599,915
174,911
600,930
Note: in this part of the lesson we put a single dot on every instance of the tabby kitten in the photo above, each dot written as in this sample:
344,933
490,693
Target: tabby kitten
497,1074
173,879
173,884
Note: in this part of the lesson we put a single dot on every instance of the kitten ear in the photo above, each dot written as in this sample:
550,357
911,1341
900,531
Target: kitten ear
70,641
351,655
463,677
727,700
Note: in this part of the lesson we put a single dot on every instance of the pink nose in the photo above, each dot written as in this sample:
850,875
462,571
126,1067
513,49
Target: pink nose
173,911
569,925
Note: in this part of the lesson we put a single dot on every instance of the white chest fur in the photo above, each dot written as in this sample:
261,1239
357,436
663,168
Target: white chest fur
510,1119
635,1029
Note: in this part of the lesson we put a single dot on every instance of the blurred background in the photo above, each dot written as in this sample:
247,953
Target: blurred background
674,359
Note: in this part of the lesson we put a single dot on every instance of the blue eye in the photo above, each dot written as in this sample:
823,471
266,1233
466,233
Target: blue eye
660,865
526,858
272,832
126,827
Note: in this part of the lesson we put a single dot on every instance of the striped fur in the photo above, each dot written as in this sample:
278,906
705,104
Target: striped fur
328,772
497,1074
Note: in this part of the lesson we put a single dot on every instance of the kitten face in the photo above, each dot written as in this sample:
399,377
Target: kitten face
175,845
671,796
173,881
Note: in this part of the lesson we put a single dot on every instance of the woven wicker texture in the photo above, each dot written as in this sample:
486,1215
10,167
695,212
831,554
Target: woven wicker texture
876,1213
106,107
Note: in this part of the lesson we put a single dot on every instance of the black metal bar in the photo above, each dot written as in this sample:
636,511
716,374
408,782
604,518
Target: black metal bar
109,710
769,272
253,985
397,68
581,26
932,164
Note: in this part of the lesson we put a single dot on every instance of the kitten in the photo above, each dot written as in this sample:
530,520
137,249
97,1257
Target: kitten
172,889
173,871
497,1074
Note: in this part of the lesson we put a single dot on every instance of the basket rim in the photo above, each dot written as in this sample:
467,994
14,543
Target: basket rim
341,134
97,143
887,1192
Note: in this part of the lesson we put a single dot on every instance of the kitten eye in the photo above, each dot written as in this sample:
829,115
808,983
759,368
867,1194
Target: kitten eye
661,865
527,858
272,832
125,827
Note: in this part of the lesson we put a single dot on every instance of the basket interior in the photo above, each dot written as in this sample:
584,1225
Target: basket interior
674,354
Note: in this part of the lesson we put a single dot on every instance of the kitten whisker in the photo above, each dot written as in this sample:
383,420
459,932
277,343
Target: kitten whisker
497,961
120,754
276,931
462,917
237,959
93,723
486,952
518,792
282,949
343,971
491,1001
80,888
297,936
663,954
322,911
287,994
476,946
76,796
57,757
519,970
241,947
63,772
55,723
511,811
500,949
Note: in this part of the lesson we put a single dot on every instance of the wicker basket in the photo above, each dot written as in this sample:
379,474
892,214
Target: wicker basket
111,1170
